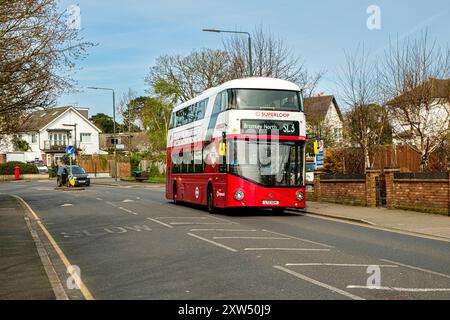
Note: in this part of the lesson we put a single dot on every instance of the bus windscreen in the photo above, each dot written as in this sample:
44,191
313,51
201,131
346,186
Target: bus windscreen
261,99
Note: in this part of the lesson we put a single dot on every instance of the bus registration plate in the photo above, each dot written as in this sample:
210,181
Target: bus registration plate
271,202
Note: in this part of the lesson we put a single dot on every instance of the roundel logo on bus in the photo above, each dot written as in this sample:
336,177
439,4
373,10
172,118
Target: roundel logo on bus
270,114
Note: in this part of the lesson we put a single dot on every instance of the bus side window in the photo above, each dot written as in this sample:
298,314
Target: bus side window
221,102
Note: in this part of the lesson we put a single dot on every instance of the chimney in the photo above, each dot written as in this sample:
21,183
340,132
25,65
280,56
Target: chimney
84,112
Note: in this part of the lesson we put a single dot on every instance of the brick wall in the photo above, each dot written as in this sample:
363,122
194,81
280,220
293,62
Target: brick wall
343,189
428,192
419,191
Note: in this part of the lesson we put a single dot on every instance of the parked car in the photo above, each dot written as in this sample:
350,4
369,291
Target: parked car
43,169
81,177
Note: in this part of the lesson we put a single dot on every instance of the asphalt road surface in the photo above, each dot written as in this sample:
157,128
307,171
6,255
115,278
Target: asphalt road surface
131,243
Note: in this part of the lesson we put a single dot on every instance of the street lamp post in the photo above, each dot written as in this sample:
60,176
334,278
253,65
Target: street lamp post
114,126
250,59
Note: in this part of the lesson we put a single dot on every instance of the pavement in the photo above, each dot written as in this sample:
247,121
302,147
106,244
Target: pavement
131,243
408,221
22,274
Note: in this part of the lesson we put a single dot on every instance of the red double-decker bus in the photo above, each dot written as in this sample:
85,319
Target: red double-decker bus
239,145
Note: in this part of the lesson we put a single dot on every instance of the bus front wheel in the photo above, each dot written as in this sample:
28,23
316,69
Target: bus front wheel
210,200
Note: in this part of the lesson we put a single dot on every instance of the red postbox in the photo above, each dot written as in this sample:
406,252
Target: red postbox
17,172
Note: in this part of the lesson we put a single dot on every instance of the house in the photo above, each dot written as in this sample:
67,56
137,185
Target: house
136,141
424,110
49,132
324,119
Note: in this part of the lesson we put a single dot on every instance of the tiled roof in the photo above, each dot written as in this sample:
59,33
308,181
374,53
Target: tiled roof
317,107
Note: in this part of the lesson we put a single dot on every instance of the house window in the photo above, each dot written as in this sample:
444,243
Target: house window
85,137
34,138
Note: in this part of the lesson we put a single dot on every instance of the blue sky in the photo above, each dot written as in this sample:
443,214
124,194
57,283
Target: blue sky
132,34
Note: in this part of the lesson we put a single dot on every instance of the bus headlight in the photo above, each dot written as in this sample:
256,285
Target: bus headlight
239,195
300,196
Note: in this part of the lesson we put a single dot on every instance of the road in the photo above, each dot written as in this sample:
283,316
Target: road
131,243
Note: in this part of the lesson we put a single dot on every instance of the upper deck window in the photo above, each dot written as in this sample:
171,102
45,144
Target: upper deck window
263,99
189,114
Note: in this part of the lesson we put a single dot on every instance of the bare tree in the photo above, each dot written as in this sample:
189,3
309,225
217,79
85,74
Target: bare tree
271,58
192,74
366,120
206,68
38,51
418,101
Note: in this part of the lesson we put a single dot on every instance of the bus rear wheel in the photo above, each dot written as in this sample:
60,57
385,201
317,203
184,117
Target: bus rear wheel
210,200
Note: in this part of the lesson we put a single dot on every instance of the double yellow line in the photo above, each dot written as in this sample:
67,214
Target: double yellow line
84,290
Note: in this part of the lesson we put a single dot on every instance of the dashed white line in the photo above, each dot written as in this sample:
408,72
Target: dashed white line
318,283
223,230
213,242
417,268
339,265
197,223
99,199
400,289
200,218
304,240
251,238
160,222
284,249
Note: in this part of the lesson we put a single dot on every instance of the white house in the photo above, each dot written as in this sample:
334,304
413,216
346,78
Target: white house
432,118
324,118
49,132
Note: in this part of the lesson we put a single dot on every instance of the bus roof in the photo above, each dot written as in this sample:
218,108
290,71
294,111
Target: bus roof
245,83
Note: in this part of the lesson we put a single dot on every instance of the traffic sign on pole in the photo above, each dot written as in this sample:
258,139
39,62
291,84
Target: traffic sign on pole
70,150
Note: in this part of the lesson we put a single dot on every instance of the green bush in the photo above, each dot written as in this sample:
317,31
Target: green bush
135,160
25,168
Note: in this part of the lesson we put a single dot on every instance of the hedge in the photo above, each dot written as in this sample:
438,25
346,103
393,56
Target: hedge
25,168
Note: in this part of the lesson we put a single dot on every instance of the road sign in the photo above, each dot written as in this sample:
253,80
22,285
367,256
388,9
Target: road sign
72,180
70,150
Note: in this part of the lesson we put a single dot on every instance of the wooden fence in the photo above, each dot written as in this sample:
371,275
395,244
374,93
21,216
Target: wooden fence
402,156
102,165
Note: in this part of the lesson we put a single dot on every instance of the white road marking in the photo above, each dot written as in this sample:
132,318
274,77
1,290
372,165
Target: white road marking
339,265
128,200
129,211
197,223
111,204
417,268
99,199
67,205
200,218
225,220
284,249
160,222
223,230
318,283
304,240
401,289
212,242
251,238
